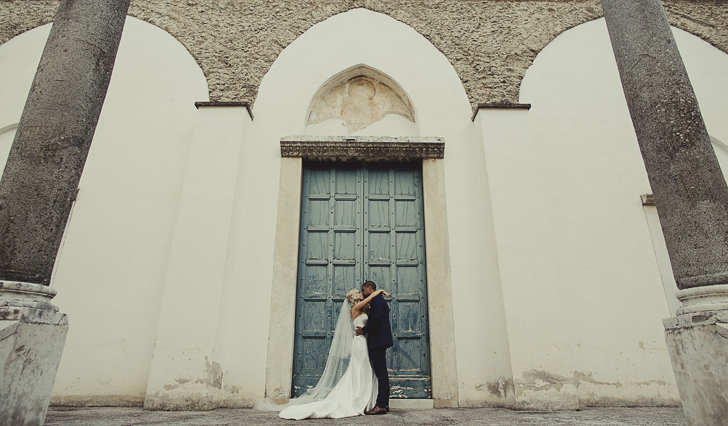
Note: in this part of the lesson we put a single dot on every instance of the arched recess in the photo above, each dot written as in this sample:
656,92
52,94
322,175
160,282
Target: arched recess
343,42
587,157
112,264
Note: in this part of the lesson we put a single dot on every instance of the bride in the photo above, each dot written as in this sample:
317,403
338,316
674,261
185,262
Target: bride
347,367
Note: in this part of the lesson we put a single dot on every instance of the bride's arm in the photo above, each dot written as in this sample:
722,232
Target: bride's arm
364,302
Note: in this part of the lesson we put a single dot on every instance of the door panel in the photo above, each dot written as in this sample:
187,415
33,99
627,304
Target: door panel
362,222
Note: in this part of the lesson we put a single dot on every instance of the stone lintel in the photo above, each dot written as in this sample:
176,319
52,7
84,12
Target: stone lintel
206,104
371,149
499,105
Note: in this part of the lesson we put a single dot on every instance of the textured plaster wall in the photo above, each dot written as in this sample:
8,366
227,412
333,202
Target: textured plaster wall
490,44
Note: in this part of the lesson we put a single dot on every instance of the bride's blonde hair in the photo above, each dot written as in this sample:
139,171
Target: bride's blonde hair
351,294
351,297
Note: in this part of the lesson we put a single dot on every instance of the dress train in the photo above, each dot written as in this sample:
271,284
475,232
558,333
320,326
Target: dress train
355,392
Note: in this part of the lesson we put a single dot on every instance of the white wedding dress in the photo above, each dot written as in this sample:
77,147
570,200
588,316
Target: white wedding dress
355,392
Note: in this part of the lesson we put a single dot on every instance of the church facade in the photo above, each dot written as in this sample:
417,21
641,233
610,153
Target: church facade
255,160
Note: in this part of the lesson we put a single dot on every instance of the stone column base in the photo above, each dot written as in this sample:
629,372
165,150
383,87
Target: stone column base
697,340
32,336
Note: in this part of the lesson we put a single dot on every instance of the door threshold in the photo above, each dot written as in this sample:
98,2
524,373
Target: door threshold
411,404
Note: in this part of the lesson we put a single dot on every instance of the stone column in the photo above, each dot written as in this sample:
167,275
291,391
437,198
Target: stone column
37,190
691,197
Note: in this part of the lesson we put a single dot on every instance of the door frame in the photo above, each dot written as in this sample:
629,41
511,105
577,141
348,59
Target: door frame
429,150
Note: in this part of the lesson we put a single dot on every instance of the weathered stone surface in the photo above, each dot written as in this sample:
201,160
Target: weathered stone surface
644,416
491,44
707,19
698,347
367,149
545,391
32,336
30,354
690,192
26,302
54,135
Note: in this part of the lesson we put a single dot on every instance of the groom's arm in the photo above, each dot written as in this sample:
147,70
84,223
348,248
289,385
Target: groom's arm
376,314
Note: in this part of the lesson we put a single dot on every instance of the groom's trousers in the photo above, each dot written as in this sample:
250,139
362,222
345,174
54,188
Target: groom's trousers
378,358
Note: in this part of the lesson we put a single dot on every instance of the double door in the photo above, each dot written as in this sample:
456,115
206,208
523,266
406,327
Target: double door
360,222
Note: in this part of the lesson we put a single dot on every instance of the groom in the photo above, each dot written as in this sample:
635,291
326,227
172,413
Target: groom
379,338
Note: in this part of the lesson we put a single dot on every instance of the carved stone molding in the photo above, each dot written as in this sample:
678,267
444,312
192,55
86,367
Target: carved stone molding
370,149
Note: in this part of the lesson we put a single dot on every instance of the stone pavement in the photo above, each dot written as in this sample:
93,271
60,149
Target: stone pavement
122,416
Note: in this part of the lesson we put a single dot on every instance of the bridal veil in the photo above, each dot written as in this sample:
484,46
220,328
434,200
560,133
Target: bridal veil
336,364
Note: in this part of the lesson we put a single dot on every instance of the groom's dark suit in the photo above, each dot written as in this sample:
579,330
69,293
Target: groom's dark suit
379,338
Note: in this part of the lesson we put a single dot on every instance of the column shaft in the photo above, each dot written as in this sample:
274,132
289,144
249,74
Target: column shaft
54,135
690,192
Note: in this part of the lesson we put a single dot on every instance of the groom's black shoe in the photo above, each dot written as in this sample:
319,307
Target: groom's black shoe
376,410
387,408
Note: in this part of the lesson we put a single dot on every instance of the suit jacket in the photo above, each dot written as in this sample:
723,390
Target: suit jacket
378,330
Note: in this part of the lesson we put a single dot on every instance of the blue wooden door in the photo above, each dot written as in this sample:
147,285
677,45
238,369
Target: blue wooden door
362,222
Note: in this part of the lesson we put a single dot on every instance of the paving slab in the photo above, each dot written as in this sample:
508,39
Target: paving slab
124,416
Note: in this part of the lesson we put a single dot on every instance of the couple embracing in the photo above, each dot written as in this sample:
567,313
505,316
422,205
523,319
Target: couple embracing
355,380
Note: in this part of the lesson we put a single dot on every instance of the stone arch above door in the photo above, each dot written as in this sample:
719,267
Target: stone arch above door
490,44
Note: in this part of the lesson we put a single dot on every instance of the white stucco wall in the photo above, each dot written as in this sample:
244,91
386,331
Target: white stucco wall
111,269
588,167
